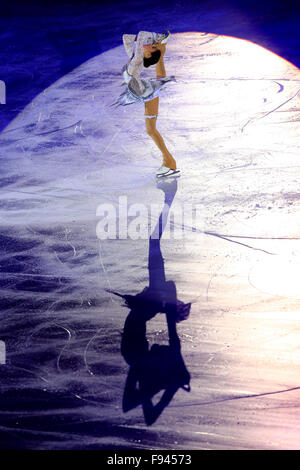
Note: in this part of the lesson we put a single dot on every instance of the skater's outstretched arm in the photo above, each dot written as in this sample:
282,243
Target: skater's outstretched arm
128,41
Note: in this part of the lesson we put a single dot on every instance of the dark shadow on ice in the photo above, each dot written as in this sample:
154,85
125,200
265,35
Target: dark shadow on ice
160,368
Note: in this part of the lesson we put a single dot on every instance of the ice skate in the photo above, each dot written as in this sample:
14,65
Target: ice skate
164,171
163,38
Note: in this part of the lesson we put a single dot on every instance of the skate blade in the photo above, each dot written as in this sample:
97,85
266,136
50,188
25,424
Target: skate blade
167,175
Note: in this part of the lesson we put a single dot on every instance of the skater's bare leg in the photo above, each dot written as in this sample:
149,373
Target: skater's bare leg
151,109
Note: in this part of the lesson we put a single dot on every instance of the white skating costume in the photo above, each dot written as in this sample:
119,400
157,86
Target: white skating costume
137,89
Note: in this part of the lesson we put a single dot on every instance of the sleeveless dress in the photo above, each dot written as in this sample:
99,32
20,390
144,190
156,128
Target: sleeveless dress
137,89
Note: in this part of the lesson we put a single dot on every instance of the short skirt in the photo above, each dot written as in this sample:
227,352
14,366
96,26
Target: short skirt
131,95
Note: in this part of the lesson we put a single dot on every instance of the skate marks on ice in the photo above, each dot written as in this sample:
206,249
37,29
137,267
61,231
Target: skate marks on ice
273,110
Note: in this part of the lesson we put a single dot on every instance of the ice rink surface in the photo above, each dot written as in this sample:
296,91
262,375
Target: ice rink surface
231,120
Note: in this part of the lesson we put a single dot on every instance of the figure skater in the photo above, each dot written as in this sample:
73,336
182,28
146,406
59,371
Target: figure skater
149,50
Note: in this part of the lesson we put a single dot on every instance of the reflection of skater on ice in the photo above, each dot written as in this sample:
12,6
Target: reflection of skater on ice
162,367
149,50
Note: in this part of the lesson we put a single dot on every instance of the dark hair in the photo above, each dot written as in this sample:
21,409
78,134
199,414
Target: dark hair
155,56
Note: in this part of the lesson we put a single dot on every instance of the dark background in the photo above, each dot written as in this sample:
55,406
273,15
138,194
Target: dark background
40,42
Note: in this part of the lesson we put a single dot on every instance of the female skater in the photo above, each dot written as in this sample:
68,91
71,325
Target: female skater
149,50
